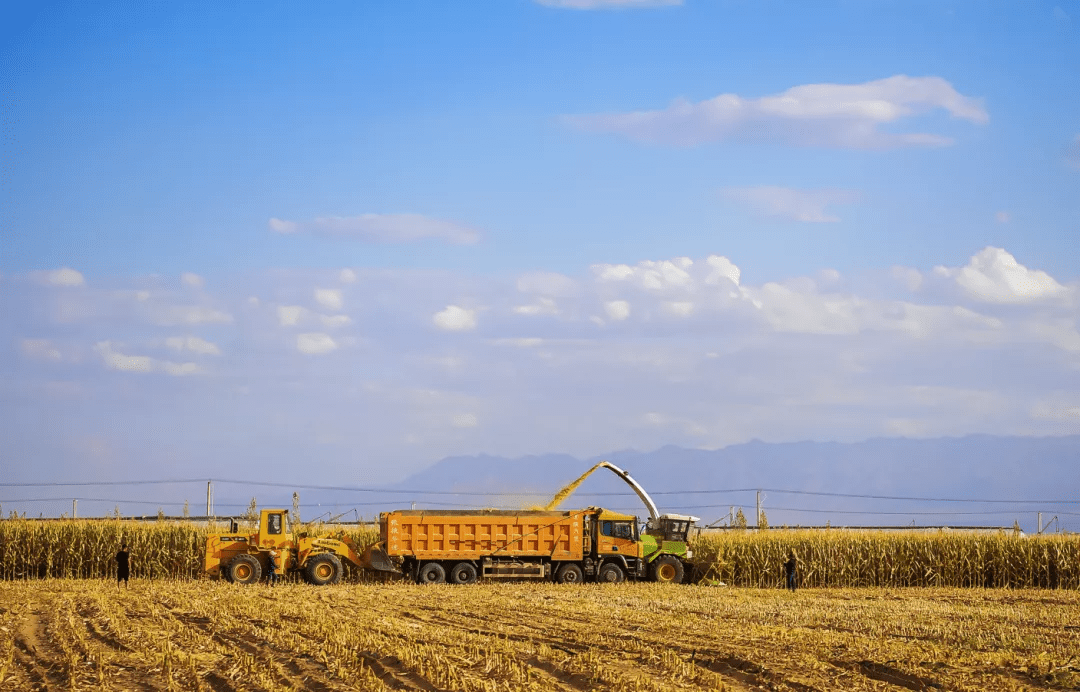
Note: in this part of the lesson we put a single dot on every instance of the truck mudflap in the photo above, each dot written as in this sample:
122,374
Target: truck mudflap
376,558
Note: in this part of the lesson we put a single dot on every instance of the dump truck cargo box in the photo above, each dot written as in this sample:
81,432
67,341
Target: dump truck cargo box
475,534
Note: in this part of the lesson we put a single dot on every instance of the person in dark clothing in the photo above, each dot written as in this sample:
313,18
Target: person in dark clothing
123,566
790,568
272,567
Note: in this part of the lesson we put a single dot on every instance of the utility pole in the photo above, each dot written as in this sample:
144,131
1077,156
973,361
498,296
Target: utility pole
731,516
757,521
1039,525
209,499
74,509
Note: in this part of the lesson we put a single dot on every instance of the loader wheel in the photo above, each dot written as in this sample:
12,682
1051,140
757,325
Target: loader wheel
667,569
569,574
611,573
463,573
323,569
431,573
244,569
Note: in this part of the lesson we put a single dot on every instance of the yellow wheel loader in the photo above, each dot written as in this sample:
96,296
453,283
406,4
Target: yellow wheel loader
243,558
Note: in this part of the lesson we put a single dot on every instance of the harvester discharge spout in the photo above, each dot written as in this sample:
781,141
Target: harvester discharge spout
654,513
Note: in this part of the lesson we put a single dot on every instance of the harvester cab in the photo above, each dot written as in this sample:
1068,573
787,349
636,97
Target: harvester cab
665,539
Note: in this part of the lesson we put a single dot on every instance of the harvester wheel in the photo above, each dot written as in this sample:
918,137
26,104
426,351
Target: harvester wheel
667,569
569,574
611,573
244,569
463,573
322,569
431,573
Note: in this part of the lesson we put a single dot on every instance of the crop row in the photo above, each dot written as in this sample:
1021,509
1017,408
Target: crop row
834,558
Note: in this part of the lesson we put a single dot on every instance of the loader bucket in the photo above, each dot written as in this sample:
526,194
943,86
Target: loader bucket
376,558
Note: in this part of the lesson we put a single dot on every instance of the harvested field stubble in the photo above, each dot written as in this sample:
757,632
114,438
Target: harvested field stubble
842,558
166,634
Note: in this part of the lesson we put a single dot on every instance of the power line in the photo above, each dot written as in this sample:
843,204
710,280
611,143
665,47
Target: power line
489,493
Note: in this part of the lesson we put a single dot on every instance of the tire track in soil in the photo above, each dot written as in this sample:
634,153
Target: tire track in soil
305,673
301,672
890,675
35,654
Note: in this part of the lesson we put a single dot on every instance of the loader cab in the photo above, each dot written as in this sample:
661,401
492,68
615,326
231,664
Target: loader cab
274,528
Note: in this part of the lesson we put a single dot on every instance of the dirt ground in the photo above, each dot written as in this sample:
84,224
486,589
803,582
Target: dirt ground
208,635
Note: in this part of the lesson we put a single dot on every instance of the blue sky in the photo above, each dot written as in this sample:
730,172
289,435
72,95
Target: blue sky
393,231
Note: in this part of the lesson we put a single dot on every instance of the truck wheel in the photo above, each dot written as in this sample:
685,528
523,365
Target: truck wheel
569,574
463,573
244,569
323,569
431,573
667,569
611,573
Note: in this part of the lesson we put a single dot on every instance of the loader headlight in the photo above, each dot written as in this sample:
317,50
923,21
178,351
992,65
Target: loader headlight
689,554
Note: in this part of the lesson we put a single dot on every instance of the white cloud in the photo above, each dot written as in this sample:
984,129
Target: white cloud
792,204
193,344
543,306
520,342
722,268
121,362
1003,217
382,228
617,310
40,349
656,276
682,308
329,298
192,280
911,278
289,315
191,314
547,284
64,276
994,276
347,276
825,115
455,318
464,420
335,321
607,4
315,343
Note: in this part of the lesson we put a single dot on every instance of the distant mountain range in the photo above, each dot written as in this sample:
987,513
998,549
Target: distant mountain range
954,476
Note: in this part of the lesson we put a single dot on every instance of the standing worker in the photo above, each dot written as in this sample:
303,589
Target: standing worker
789,569
272,565
123,566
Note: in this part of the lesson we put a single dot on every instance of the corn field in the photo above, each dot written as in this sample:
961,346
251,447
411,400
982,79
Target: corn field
838,558
86,549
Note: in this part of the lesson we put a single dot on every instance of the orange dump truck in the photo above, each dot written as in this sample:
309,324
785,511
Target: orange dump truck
593,544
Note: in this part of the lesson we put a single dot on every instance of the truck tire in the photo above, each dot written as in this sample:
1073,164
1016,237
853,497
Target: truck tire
323,569
244,569
569,574
610,573
431,573
667,569
463,573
